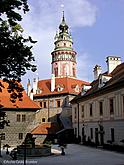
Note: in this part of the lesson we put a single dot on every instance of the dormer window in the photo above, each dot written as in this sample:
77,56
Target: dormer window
103,79
59,88
38,91
77,88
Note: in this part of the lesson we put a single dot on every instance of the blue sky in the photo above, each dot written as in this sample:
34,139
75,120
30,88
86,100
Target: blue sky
97,29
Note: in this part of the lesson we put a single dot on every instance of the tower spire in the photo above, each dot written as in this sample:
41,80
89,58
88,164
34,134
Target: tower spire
63,17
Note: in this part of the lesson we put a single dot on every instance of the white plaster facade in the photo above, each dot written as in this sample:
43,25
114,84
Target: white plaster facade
99,113
107,120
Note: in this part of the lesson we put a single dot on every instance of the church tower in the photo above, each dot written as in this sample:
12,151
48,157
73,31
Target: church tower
63,56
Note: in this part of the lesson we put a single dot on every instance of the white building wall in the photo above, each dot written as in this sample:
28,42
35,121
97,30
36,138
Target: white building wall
108,121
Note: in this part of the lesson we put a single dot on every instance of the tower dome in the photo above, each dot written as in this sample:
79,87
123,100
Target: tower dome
63,27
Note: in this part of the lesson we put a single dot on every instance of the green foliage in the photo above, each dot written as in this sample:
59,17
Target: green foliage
15,51
16,56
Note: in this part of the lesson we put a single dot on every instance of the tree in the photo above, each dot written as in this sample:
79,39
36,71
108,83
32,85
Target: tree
15,51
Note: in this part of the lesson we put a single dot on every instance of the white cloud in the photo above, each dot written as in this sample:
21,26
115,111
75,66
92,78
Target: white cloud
84,67
81,13
42,21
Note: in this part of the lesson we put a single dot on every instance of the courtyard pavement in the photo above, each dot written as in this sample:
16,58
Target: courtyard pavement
75,155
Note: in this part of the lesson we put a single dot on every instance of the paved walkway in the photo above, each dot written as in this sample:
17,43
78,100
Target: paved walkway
75,155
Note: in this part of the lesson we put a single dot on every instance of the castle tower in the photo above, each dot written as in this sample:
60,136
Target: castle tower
63,56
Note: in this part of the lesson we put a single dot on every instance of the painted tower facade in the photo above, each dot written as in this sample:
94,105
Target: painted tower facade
63,56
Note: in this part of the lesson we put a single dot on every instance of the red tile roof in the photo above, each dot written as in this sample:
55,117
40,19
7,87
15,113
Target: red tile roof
66,83
116,81
26,102
45,128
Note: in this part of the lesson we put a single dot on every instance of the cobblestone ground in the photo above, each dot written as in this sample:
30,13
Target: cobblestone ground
75,155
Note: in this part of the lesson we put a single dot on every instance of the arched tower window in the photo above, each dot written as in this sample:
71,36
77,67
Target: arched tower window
56,72
74,72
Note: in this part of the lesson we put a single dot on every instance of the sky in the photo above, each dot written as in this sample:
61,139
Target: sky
97,28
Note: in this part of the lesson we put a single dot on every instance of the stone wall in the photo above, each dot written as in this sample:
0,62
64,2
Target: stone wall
12,131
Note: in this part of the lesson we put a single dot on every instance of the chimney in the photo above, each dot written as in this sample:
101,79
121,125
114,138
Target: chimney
35,82
31,95
53,83
28,88
97,71
112,63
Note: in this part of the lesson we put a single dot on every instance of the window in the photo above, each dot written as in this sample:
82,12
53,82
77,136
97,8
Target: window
96,136
111,104
91,133
41,104
43,119
51,103
75,113
75,131
101,108
82,111
58,103
23,118
18,117
56,72
44,104
20,136
82,131
91,110
112,135
123,103
3,136
64,43
74,74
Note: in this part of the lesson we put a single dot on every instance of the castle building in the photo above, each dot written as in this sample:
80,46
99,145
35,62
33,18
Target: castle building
54,95
98,114
20,114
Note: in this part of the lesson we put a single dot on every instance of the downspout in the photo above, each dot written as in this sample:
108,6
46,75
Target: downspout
78,120
48,111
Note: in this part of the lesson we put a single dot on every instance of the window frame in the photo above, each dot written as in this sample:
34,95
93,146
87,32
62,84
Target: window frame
91,133
58,103
91,109
43,120
20,136
3,136
75,113
45,104
41,104
82,111
111,106
23,117
101,108
18,118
